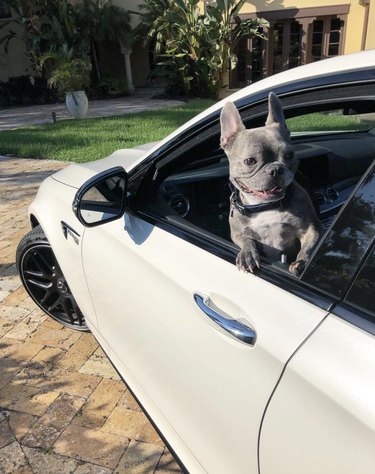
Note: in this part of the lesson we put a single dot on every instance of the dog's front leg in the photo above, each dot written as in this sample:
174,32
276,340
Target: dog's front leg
248,257
308,241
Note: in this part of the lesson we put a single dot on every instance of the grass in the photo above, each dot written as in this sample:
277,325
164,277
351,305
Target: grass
321,121
91,139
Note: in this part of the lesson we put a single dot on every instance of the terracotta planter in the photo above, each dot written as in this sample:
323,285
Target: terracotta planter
77,103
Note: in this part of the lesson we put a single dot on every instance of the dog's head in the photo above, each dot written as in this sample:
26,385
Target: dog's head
261,160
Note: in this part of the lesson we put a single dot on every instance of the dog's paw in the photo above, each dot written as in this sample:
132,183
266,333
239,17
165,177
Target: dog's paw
297,267
248,261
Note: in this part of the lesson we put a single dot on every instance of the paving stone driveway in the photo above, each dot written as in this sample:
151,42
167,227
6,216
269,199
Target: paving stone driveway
63,408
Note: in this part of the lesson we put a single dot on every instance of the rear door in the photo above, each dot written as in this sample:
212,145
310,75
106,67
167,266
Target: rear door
322,415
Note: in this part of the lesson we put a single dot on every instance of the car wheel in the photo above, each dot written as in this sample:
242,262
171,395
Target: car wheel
44,281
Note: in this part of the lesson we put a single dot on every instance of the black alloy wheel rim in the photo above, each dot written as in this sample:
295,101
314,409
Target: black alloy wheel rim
47,286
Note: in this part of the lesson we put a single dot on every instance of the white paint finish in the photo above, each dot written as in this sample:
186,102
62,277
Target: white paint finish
76,175
322,415
209,389
55,199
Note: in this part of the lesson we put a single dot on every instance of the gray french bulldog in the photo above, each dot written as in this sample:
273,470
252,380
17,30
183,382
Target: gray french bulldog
271,214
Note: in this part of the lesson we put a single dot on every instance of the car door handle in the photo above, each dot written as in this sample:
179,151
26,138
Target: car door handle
234,327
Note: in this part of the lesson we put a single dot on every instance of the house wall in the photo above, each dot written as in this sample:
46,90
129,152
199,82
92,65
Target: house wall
355,18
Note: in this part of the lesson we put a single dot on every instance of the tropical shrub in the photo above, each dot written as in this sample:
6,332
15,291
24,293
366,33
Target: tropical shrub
20,91
52,26
68,73
45,25
195,50
100,21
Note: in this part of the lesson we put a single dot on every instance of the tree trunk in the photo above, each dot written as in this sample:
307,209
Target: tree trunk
95,60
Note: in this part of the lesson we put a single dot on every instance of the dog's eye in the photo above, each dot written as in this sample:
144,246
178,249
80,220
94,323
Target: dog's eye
250,161
289,156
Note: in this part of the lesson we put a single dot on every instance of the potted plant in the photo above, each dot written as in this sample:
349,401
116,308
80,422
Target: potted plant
70,76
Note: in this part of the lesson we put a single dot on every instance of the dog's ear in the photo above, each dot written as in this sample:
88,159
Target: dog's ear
275,112
231,124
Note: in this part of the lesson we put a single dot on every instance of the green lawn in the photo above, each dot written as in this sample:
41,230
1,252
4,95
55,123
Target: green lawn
321,121
91,139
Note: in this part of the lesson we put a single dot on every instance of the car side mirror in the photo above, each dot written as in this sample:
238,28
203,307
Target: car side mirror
102,198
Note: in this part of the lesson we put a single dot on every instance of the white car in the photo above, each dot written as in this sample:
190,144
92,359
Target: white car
241,373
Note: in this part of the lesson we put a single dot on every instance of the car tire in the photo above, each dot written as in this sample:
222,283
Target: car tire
44,281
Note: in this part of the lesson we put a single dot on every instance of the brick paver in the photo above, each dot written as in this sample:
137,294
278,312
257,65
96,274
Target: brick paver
62,406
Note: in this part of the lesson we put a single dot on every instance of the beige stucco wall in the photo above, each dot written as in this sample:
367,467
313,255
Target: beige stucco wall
370,38
354,28
355,19
264,5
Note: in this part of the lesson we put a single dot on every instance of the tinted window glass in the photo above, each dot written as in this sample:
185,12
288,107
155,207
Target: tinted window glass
337,259
362,293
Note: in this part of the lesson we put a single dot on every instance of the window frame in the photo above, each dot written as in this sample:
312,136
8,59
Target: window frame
326,36
305,17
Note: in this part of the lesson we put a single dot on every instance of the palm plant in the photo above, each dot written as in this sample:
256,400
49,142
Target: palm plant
198,48
45,25
99,21
227,29
68,72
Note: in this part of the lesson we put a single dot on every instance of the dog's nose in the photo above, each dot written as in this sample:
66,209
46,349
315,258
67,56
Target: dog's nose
275,171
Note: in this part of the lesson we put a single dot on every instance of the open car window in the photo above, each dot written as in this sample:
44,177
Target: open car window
333,141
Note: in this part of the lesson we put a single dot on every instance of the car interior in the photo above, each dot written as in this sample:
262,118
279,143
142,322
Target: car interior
329,168
194,189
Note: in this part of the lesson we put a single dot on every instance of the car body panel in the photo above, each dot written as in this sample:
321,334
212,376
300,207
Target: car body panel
323,411
181,360
55,199
78,173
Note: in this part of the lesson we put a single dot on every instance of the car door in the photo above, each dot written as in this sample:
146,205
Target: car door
201,344
166,295
322,415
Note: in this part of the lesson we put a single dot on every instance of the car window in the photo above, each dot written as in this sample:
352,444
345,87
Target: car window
345,119
346,243
187,189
